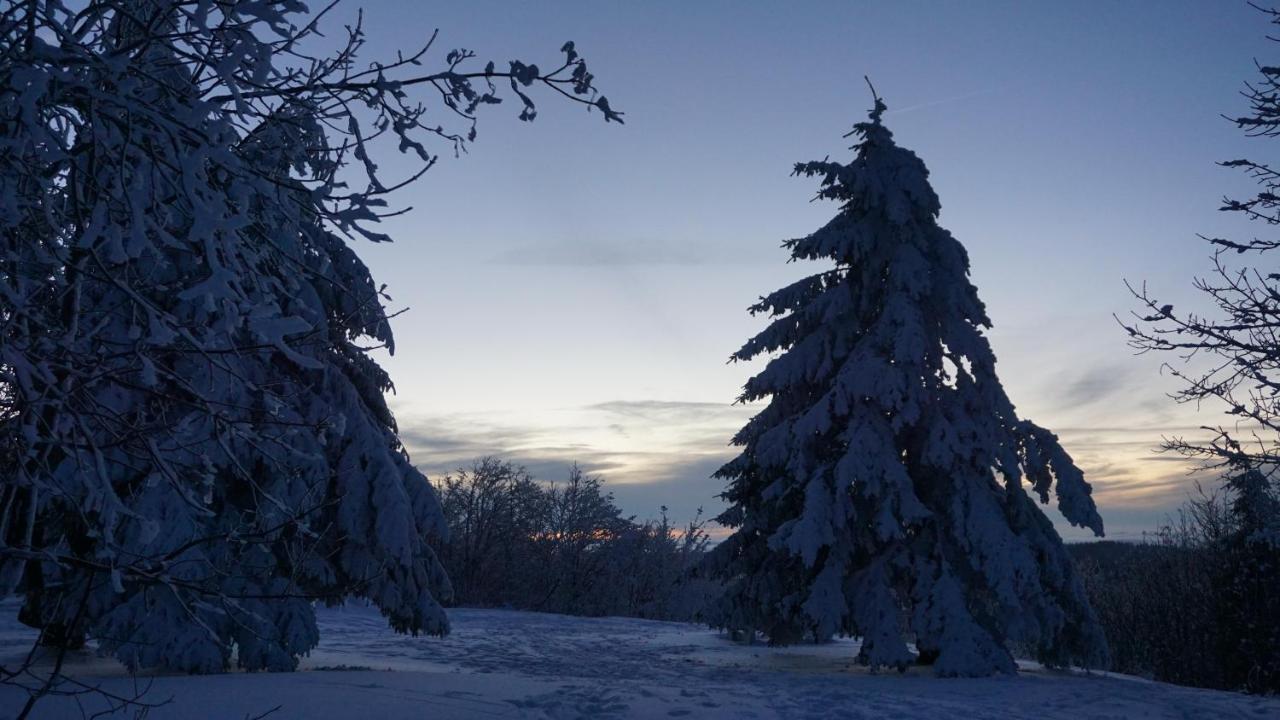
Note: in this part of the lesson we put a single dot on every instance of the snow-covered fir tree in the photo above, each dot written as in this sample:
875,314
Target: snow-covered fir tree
883,490
194,442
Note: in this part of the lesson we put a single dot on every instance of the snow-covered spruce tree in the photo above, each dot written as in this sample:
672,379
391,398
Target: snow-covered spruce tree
880,492
195,445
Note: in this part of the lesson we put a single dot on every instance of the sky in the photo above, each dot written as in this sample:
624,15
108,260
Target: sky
572,290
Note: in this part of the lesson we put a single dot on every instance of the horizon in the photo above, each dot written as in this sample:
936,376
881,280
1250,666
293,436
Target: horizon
590,320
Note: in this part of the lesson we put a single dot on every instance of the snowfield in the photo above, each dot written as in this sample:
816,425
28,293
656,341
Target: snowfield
507,664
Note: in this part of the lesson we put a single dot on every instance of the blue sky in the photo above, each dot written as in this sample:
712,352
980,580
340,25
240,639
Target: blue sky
574,288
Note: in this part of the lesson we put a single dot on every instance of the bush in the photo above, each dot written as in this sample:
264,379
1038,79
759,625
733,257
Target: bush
564,547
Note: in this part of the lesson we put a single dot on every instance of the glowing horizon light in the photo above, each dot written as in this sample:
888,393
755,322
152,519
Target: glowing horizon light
574,290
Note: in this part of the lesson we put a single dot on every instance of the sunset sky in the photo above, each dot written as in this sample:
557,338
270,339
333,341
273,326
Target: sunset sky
575,288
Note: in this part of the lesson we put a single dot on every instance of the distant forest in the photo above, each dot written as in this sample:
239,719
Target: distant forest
1176,607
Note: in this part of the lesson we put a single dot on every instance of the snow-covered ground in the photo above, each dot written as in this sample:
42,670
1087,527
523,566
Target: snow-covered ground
505,664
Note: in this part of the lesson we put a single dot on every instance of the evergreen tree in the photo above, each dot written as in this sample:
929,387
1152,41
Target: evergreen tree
195,442
1249,561
880,492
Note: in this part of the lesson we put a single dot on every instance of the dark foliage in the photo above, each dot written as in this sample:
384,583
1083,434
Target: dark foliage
1196,603
1204,604
564,547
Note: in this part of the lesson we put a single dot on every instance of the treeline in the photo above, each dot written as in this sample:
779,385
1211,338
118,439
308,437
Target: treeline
564,547
1199,602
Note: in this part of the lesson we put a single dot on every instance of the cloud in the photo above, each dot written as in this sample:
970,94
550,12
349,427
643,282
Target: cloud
1098,383
650,453
1155,430
453,440
1131,478
668,411
649,407
653,453
684,487
597,253
442,444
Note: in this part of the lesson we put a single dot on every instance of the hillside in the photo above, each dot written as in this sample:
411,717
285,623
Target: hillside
505,664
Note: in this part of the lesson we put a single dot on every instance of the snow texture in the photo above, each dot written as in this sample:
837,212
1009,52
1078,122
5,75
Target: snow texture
198,444
503,664
885,490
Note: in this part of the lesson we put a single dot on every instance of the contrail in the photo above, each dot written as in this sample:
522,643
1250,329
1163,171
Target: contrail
944,101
